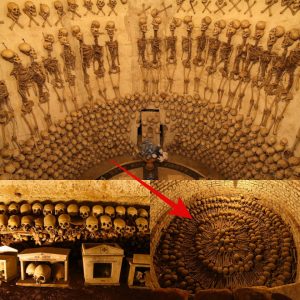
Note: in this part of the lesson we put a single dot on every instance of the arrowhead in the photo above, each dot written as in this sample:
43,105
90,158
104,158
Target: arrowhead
180,210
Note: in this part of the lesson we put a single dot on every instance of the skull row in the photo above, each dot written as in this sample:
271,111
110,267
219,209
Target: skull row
49,223
72,209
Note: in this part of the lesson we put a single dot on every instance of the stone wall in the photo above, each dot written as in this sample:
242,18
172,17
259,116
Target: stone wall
125,192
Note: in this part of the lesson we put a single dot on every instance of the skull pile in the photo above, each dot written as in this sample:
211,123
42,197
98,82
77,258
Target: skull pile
231,242
58,221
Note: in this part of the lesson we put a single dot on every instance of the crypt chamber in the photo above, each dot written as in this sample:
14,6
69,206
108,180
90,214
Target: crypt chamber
169,89
242,241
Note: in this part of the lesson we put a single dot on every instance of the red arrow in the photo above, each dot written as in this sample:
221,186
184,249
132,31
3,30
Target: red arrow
178,209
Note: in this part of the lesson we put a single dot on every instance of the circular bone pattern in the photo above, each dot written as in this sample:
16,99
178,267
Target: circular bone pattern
231,242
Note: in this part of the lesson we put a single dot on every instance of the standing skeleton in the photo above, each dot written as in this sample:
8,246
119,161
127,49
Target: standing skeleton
69,60
23,76
86,55
143,59
171,52
199,60
7,115
239,62
225,53
98,59
265,59
156,54
211,59
38,77
187,43
275,80
253,56
112,49
53,70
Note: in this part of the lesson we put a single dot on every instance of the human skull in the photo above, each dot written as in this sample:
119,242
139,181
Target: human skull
72,4
110,211
205,22
25,209
63,36
37,208
141,225
13,208
156,22
143,213
77,33
3,209
259,30
58,271
48,209
49,38
59,7
26,222
295,6
13,222
290,37
176,22
30,268
88,4
42,273
218,27
95,26
72,209
39,223
274,34
49,222
97,211
120,211
84,211
60,208
3,222
188,21
143,24
64,221
26,49
44,11
30,8
110,28
91,224
105,222
10,56
132,212
100,4
130,230
13,10
233,27
119,225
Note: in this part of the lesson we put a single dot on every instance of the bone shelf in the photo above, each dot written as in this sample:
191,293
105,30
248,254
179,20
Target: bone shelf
44,254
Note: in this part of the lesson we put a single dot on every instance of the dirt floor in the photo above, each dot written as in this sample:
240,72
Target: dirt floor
12,292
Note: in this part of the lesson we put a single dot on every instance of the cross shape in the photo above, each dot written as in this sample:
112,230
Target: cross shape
144,9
